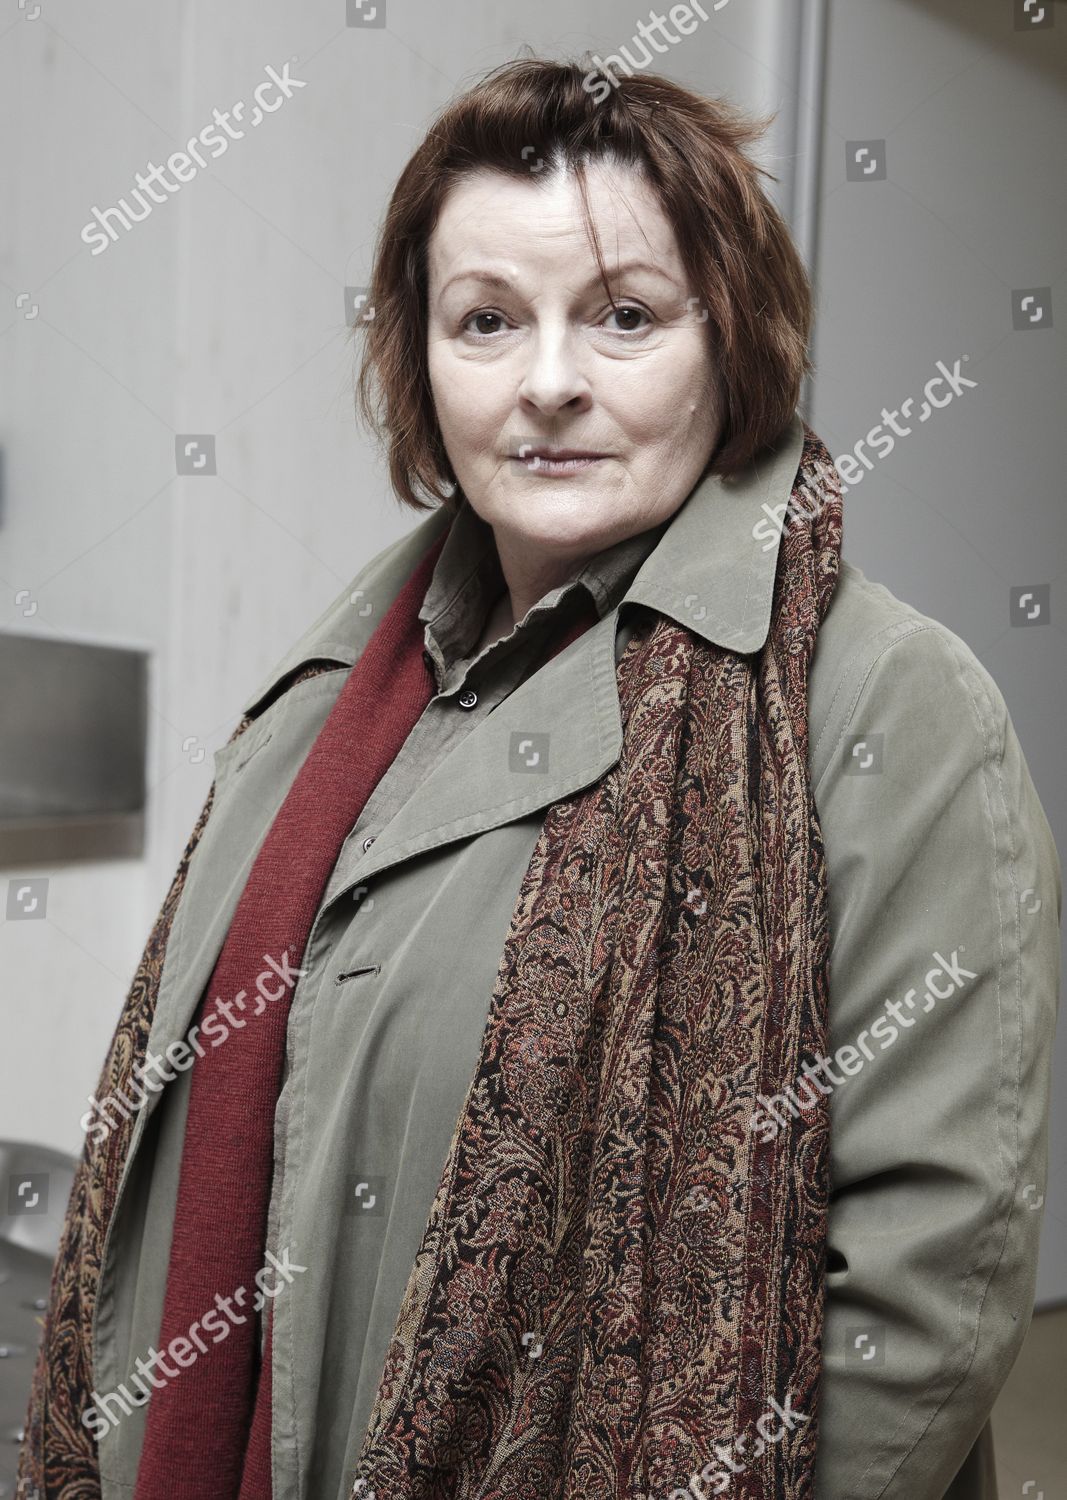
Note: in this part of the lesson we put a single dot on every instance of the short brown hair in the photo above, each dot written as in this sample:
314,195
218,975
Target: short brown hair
735,245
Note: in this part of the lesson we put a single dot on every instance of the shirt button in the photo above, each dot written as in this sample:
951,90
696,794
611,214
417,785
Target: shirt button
468,698
368,841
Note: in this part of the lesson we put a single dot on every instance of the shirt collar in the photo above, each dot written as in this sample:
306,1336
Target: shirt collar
711,568
468,578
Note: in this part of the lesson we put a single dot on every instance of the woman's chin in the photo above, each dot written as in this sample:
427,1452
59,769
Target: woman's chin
553,536
562,517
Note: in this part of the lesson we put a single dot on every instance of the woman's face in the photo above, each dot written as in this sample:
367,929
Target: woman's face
525,349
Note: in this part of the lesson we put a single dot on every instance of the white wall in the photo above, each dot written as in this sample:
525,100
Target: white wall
920,267
86,412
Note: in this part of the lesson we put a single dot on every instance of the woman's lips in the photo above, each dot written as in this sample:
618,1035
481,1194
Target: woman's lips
559,464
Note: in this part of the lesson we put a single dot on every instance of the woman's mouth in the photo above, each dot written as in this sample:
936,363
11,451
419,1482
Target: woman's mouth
559,461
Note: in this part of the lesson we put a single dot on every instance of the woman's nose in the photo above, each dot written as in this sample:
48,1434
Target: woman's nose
553,377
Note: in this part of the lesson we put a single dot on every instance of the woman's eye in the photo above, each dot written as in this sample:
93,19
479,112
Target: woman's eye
480,320
628,314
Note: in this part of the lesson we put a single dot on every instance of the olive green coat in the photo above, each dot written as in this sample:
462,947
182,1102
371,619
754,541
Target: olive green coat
944,882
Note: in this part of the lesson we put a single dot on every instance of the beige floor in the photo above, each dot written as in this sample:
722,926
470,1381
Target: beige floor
1030,1417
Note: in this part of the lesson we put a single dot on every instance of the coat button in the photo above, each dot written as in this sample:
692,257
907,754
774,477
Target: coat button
468,698
368,841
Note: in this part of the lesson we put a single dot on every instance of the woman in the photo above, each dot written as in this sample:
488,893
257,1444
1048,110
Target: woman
497,1109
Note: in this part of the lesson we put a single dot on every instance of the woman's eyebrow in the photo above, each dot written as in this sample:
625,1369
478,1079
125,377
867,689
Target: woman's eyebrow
497,279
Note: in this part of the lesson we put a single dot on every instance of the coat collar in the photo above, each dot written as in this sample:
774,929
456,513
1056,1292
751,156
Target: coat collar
712,569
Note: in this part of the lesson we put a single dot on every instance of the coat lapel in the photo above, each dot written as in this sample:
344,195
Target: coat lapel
560,730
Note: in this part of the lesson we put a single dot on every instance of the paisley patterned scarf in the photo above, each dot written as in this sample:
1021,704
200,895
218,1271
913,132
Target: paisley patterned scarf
619,1292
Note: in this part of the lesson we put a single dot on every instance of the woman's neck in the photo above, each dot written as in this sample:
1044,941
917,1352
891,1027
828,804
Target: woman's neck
498,622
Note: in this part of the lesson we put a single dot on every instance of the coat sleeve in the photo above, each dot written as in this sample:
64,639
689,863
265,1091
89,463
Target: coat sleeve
945,897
